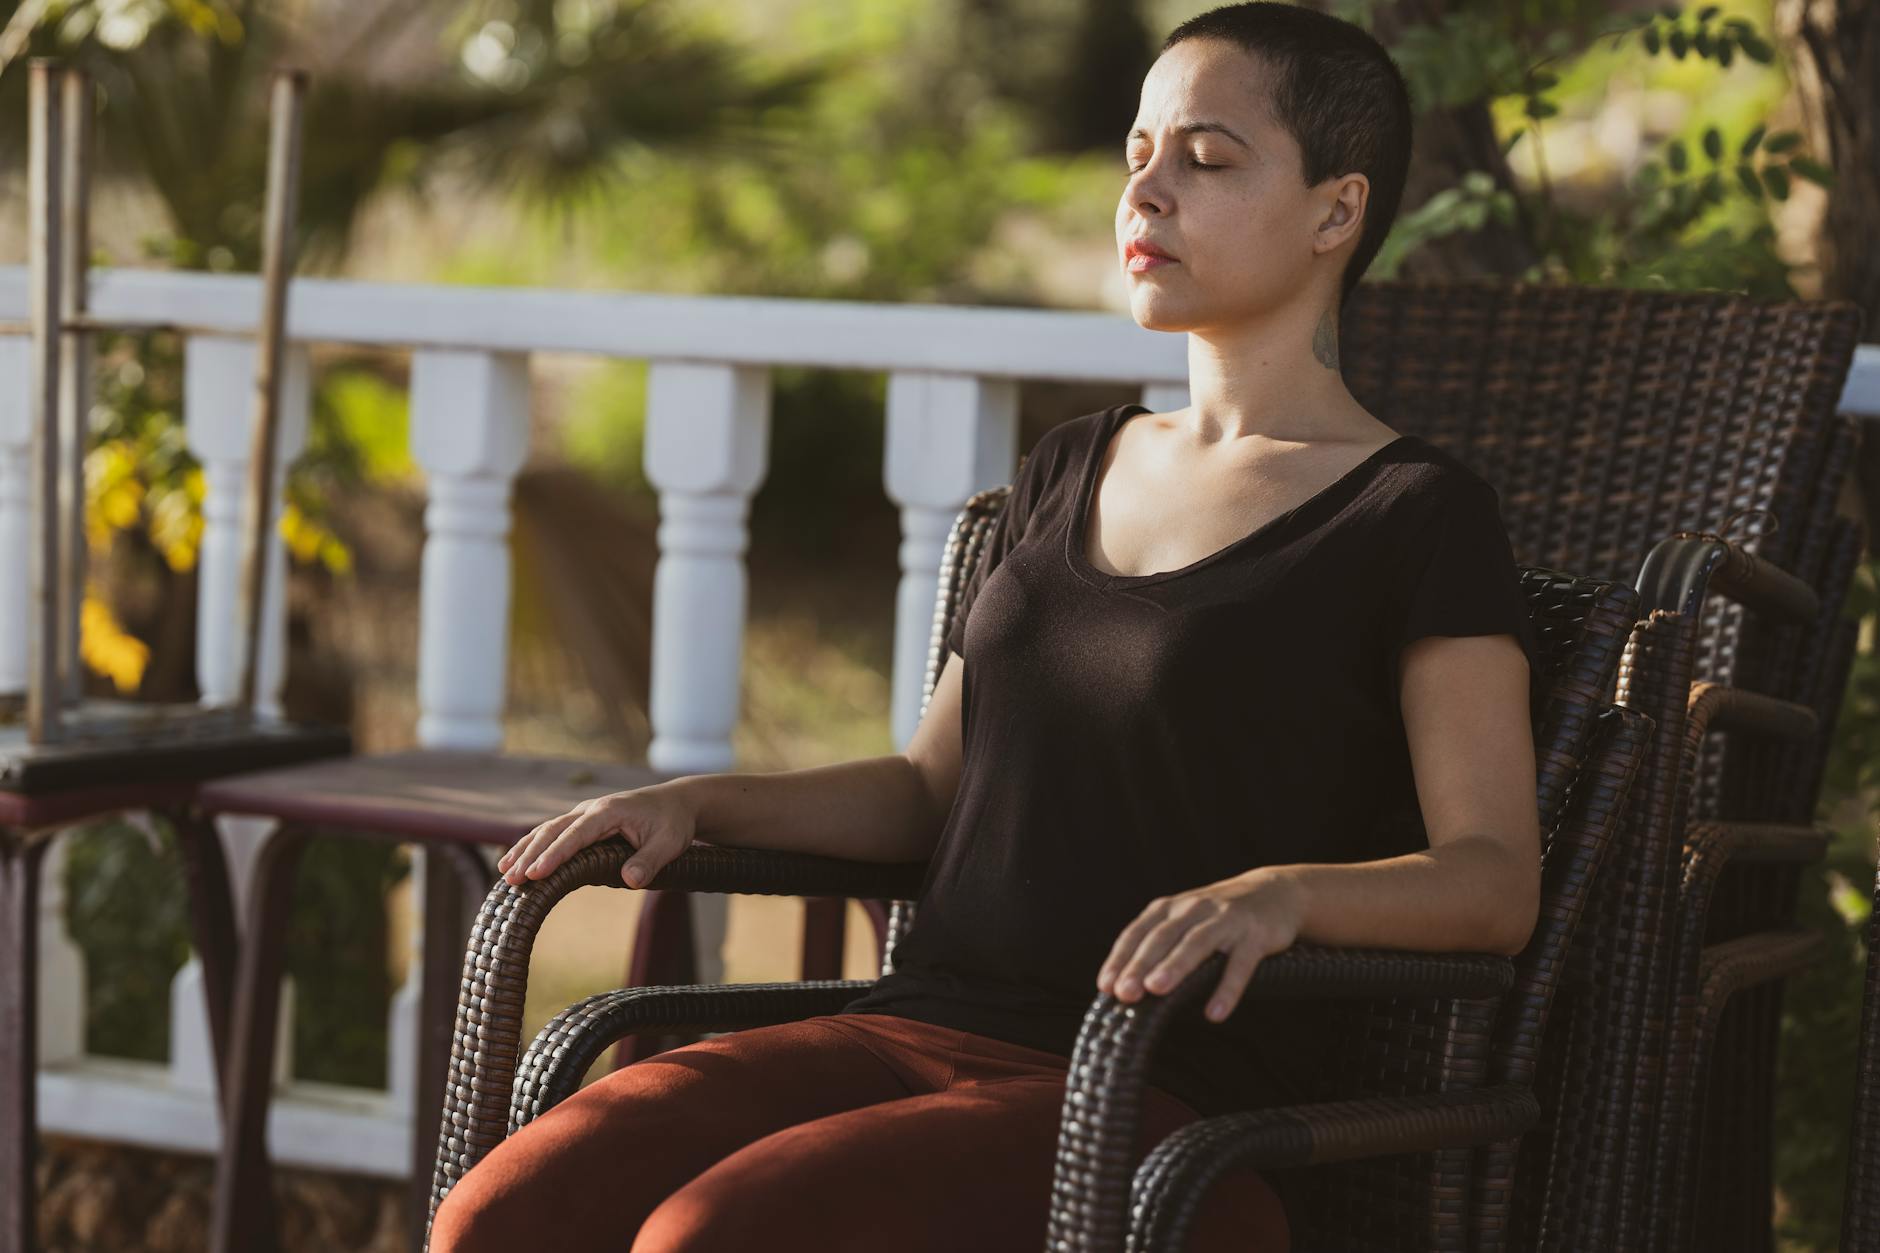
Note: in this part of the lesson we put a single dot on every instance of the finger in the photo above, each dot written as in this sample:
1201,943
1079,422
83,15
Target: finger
1155,945
1200,943
1126,941
597,822
550,826
531,845
653,855
1242,959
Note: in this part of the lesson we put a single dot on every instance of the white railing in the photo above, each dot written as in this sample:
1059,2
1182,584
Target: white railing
951,429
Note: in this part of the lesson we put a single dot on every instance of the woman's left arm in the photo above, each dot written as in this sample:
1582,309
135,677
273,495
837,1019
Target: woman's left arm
1475,889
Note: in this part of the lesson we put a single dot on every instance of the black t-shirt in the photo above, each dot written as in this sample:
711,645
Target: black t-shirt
1129,737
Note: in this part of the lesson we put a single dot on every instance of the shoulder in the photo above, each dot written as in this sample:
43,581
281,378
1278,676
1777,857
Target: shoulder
1058,454
1429,481
1074,436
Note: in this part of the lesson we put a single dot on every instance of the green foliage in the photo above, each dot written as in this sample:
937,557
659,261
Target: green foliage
126,911
1821,1006
336,956
1694,215
605,431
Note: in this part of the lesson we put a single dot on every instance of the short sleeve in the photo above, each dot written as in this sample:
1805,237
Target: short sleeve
1460,576
1008,527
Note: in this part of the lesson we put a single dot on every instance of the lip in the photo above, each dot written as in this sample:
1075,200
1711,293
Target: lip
1141,254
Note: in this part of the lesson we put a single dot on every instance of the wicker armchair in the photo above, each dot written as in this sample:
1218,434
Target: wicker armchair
1438,1069
1606,434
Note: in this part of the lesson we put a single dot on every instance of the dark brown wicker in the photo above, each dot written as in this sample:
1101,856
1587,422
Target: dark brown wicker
1605,432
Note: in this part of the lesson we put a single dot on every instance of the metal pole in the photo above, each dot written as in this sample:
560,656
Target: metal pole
277,263
43,246
75,382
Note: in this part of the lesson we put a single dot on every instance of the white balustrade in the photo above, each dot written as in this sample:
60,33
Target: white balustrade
16,502
707,447
949,435
470,432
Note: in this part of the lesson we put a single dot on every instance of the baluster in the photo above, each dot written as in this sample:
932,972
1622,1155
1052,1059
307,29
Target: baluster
470,432
218,411
949,435
403,1030
16,503
707,447
61,967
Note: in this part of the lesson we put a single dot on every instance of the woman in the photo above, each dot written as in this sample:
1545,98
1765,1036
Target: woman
1224,678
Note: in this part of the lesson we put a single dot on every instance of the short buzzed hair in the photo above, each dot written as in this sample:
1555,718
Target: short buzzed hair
1337,92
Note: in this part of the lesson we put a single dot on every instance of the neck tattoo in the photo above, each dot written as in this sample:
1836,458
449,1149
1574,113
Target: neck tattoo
1325,340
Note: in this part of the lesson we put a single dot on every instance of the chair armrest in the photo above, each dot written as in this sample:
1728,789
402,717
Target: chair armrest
1110,1062
1729,966
768,872
1178,1171
488,1026
574,1039
1720,707
1686,566
1712,844
1324,972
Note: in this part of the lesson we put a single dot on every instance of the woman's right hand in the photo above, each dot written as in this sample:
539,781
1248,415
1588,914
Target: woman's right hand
656,820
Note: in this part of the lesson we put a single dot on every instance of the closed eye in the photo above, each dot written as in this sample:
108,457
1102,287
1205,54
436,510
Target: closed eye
1199,165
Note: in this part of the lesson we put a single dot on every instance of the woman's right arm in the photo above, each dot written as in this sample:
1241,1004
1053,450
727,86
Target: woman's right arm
878,809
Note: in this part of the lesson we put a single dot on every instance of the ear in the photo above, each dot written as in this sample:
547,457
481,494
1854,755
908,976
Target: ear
1344,212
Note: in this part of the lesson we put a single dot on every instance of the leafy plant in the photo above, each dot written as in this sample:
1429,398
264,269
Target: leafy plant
1691,215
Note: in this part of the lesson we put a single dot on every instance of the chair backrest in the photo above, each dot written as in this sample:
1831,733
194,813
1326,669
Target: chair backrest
1608,418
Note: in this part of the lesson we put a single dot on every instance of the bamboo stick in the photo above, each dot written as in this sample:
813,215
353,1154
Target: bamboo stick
44,185
75,389
277,263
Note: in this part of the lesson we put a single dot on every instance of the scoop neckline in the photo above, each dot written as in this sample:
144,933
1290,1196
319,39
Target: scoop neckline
1093,461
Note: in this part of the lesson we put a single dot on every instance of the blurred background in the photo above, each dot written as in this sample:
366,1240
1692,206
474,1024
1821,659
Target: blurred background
960,152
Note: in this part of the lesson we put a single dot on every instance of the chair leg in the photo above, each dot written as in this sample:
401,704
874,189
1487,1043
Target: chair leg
242,1217
211,921
662,956
450,871
19,1040
825,920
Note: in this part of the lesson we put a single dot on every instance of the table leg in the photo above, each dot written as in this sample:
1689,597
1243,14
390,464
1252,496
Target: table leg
450,872
19,1040
211,921
241,1216
825,920
662,957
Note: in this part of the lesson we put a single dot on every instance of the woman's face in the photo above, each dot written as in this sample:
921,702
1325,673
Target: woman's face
1228,202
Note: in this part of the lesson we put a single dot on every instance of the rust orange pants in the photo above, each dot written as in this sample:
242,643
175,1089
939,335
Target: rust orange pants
839,1133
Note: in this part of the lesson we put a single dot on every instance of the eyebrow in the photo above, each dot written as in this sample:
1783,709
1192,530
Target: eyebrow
1192,128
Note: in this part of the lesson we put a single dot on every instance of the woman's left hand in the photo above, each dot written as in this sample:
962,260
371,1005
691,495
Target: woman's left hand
1247,917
